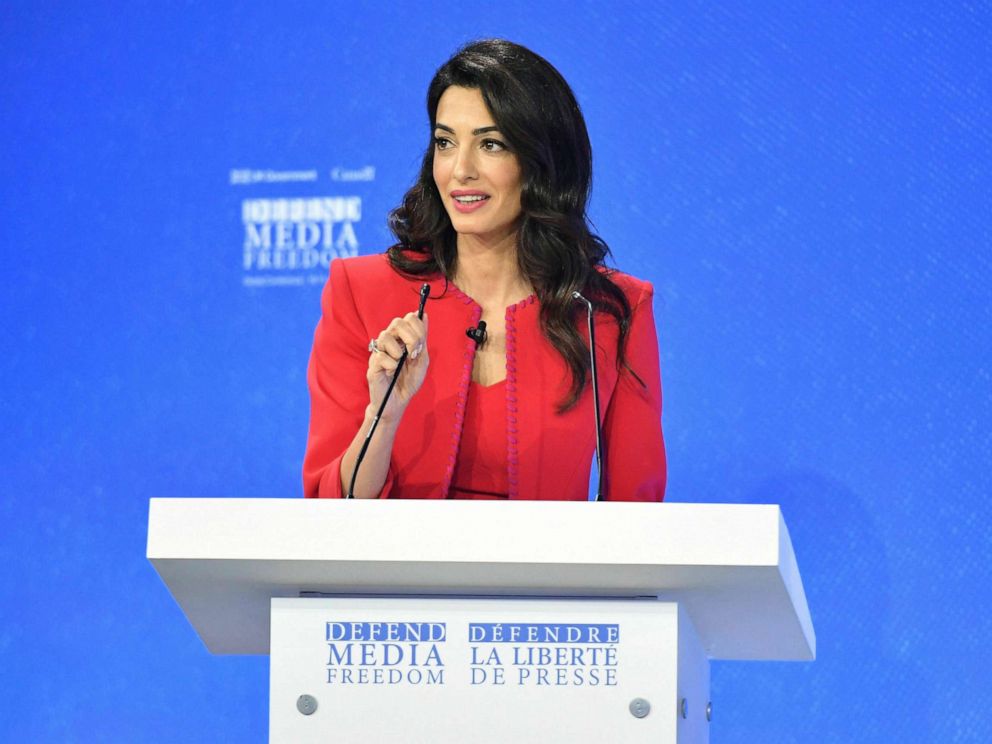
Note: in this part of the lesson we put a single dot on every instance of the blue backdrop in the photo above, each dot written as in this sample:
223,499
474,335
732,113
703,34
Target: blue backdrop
806,184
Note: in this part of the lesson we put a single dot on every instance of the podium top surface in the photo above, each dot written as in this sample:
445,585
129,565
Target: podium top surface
731,565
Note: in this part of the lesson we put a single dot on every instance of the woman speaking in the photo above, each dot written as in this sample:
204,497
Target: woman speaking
491,389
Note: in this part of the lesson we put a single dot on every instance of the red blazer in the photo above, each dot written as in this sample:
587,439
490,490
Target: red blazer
549,454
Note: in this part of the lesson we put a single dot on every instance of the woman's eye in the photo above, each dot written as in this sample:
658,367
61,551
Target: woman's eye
491,145
442,143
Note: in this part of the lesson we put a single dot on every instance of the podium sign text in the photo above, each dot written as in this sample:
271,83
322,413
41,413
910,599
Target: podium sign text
484,670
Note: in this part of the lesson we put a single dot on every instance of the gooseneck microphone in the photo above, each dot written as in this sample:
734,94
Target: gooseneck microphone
595,394
424,291
478,334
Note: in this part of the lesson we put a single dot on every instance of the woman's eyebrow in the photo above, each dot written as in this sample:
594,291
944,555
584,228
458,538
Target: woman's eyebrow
480,130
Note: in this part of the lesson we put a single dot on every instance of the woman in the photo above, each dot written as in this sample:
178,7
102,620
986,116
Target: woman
496,226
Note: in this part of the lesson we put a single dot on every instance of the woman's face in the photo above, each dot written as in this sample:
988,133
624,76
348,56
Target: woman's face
477,176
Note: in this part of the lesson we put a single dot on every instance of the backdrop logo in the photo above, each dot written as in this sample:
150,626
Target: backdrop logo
285,240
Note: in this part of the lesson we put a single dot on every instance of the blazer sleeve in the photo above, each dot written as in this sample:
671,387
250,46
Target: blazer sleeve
339,393
635,448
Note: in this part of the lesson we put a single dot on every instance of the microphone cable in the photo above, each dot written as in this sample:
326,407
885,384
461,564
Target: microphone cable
424,291
595,393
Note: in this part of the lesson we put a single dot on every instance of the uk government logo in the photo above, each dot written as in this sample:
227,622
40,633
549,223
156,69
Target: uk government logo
292,241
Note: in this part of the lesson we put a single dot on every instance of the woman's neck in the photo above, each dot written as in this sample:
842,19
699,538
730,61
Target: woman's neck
489,273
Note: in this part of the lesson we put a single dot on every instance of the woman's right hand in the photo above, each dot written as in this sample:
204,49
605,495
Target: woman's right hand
408,332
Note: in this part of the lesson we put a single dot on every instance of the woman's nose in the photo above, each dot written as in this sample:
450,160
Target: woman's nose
465,167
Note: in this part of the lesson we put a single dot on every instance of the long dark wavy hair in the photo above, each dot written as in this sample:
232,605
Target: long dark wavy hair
557,252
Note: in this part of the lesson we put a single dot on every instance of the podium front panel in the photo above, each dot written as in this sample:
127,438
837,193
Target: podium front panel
480,670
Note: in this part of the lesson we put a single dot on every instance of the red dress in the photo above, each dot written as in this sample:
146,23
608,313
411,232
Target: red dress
548,454
481,465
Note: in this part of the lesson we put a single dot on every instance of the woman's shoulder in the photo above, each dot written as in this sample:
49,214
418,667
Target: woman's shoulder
371,282
374,267
369,274
636,290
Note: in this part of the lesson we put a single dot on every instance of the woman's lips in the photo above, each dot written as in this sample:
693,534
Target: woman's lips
468,201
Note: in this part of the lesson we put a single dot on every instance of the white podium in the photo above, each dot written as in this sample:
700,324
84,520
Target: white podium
462,621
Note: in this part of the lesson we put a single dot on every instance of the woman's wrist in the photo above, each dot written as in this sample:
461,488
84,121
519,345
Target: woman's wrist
389,418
